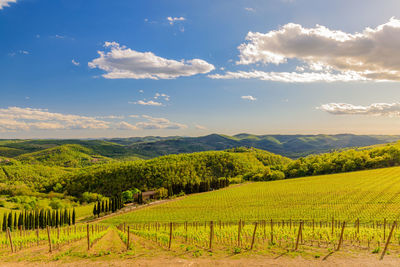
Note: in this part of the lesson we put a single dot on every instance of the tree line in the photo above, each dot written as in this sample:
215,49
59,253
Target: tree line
38,219
110,205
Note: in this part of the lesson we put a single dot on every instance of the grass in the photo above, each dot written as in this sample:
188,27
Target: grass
368,195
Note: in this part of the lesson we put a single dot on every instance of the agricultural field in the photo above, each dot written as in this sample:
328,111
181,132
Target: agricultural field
372,195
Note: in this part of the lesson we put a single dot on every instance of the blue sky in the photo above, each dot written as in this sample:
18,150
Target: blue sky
83,68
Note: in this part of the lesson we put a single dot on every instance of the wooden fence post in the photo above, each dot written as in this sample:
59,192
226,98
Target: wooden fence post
170,235
10,238
341,236
211,234
384,228
298,236
272,231
388,240
49,237
333,224
88,236
239,232
127,241
37,235
254,235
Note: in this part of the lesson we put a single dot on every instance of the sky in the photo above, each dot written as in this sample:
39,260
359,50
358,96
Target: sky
103,68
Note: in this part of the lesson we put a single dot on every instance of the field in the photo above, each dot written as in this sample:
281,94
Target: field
371,195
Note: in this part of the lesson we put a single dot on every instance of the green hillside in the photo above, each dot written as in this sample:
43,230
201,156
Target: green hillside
368,195
184,172
292,146
70,155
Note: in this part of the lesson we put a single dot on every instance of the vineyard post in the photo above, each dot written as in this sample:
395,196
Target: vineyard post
388,240
384,228
88,236
254,235
127,240
239,231
20,230
272,232
9,236
298,237
37,235
313,225
58,232
49,237
186,231
124,227
341,236
358,226
170,235
211,234
333,224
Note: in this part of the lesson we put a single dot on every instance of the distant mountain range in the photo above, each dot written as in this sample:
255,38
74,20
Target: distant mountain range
292,146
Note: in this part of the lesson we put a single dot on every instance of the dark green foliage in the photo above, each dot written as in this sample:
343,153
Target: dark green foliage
173,172
345,161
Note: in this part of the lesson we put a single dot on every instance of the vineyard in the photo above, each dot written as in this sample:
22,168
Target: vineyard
316,217
370,196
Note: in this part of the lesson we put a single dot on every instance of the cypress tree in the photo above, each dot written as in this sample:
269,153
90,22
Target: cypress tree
4,222
66,220
102,206
95,209
73,216
57,218
20,218
15,220
9,221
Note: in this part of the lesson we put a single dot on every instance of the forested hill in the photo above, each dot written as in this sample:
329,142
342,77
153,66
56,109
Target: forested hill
292,146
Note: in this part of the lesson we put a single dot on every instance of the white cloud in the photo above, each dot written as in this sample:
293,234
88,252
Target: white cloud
123,125
292,77
372,54
376,109
200,127
15,118
172,20
124,63
133,116
6,3
111,117
248,97
147,103
250,9
23,52
159,123
76,63
158,95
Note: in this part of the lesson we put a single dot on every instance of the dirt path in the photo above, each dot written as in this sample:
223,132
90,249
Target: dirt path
109,243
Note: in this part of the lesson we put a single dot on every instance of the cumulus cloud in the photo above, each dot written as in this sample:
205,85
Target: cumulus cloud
76,63
147,103
16,118
329,55
110,117
172,20
121,62
248,97
6,3
159,123
292,77
376,109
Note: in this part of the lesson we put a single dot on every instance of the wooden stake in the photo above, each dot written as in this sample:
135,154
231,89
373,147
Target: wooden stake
388,240
239,232
127,241
341,236
37,235
170,235
10,238
272,232
49,237
298,236
384,228
88,236
211,234
254,235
